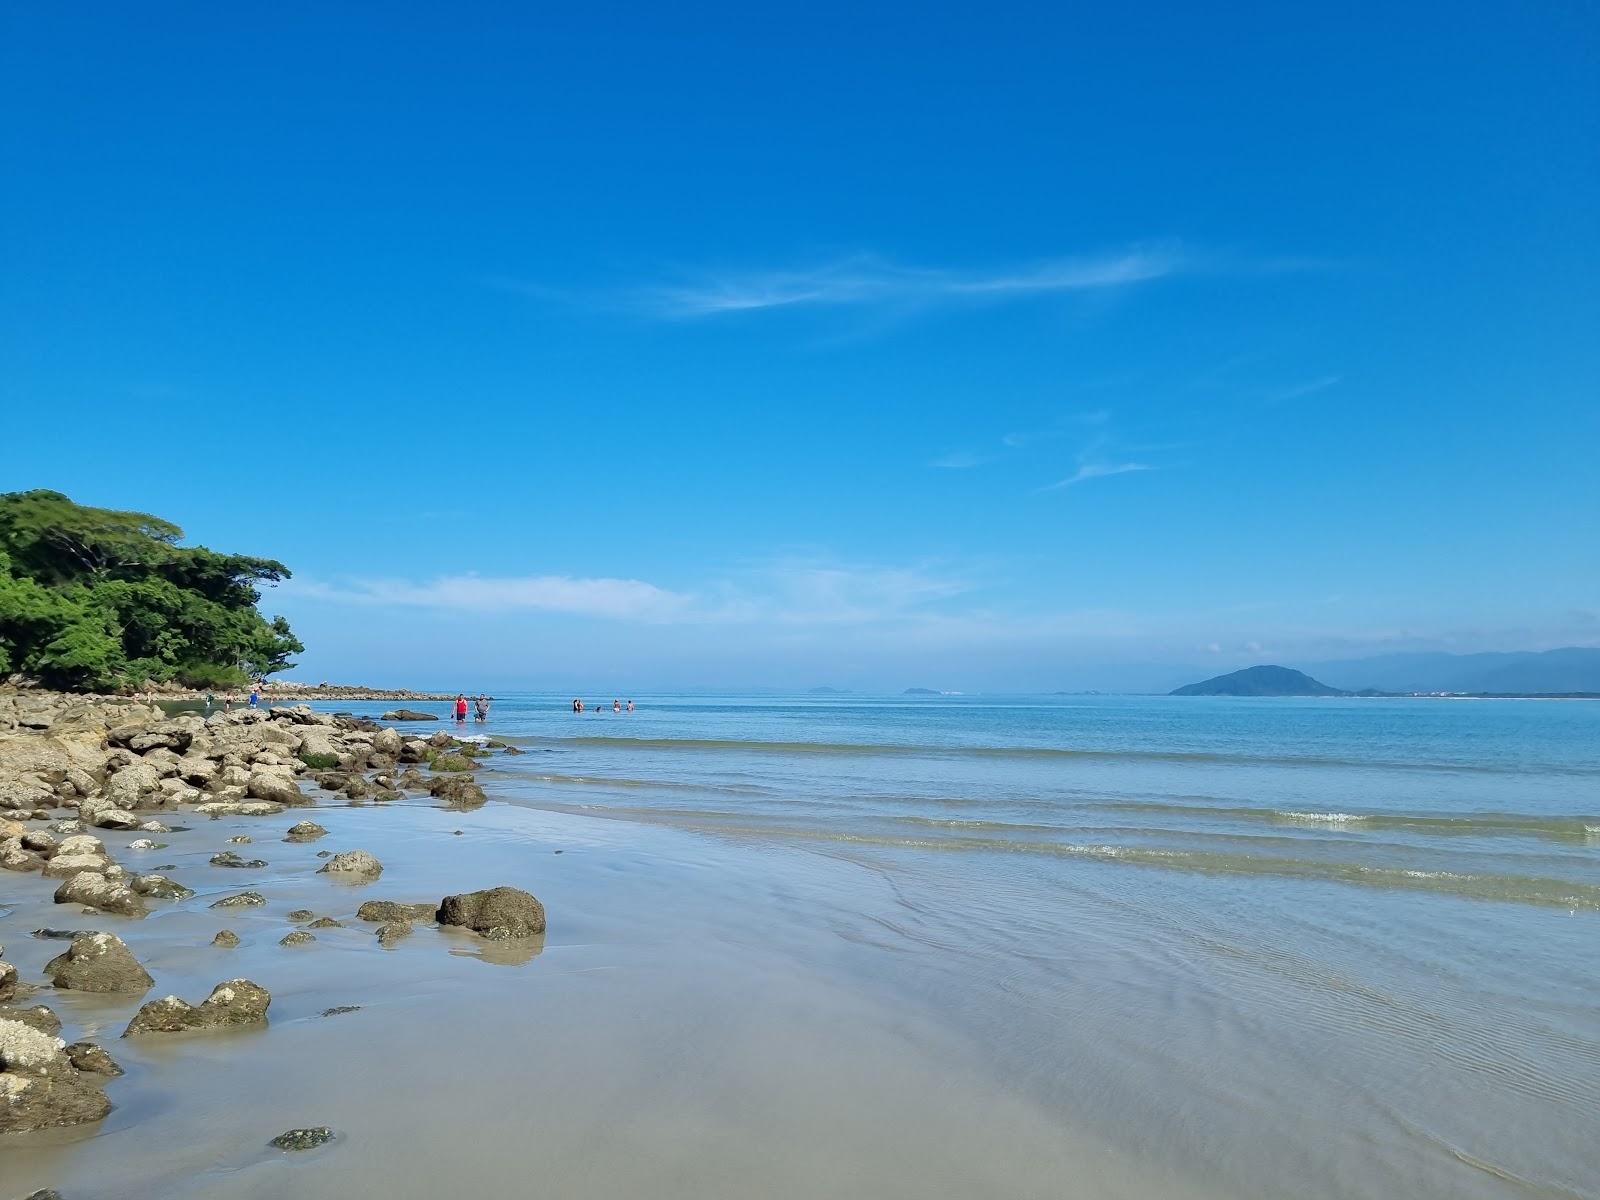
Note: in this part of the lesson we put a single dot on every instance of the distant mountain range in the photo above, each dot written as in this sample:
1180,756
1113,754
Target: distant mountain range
1574,670
1260,681
1526,672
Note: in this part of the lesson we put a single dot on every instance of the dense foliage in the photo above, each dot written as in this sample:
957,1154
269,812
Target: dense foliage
92,599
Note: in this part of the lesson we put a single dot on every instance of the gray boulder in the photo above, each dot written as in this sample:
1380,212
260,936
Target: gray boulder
98,962
40,1086
86,1056
304,831
497,912
160,887
390,910
234,1003
230,859
456,790
353,865
93,890
276,789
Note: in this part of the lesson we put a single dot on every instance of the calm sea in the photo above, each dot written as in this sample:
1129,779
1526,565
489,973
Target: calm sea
1300,947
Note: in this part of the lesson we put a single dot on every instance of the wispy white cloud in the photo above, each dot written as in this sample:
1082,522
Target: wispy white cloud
1309,388
786,592
961,460
1096,470
866,280
615,598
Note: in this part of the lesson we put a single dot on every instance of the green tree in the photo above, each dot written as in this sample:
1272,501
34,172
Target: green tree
97,599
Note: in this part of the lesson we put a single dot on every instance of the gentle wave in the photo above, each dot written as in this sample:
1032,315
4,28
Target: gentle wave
1517,889
1479,824
878,749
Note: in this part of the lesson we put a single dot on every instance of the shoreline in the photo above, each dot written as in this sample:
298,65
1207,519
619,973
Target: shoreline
78,773
581,1013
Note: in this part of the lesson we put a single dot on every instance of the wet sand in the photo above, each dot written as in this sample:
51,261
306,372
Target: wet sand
685,1028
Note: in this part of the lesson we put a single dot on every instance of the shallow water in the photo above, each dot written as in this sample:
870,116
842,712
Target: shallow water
951,947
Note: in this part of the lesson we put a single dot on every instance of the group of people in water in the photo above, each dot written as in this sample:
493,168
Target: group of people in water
480,708
479,705
578,706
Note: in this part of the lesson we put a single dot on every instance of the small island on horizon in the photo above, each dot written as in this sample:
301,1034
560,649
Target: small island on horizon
1260,681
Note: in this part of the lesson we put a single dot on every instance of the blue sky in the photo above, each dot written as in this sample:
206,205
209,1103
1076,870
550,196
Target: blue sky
870,346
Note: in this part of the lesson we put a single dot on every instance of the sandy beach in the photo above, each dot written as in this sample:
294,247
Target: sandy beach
684,1027
934,950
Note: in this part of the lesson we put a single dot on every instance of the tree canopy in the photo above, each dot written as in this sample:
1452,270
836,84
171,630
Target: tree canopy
92,599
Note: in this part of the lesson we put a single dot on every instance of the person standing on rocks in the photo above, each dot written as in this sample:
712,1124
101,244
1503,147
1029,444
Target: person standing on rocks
461,708
255,695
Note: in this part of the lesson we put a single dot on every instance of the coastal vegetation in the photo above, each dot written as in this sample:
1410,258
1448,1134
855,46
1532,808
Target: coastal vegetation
95,599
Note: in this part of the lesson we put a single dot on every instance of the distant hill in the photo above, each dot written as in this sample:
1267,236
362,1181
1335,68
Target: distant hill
919,692
828,691
1530,672
1260,681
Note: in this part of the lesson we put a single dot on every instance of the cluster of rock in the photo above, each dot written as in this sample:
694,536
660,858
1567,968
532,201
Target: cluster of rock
72,767
115,763
45,1082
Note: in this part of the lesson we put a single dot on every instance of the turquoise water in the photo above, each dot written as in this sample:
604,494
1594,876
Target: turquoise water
1296,947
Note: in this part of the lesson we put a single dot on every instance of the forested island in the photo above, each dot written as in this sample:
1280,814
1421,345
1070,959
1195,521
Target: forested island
95,599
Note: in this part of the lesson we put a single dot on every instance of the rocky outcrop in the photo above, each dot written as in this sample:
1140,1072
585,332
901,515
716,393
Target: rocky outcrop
303,1139
390,910
40,1087
235,1003
353,865
241,900
230,859
499,912
227,939
98,962
93,890
304,831
408,714
457,791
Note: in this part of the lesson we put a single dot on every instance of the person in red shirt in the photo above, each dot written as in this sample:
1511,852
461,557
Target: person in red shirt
461,708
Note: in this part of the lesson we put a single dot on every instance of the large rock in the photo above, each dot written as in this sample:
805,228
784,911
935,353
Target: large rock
15,857
496,912
39,1086
392,910
38,1017
98,962
408,714
355,865
103,812
239,808
86,1056
386,741
130,786
169,735
274,788
94,890
304,831
8,981
64,866
458,791
160,887
234,1003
